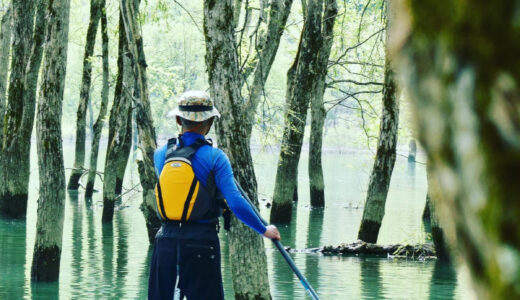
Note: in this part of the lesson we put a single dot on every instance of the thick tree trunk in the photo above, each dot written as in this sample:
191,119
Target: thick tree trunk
14,155
249,262
51,202
120,125
461,67
318,114
84,97
301,82
426,211
438,236
374,210
147,140
5,47
100,122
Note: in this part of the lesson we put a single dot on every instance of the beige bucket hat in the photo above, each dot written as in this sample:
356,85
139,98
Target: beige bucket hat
195,106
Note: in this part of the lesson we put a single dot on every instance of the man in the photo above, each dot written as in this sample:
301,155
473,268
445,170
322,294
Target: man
186,255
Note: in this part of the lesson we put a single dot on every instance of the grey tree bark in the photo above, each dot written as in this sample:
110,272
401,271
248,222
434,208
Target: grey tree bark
147,139
5,47
14,155
379,183
301,82
249,262
51,202
84,97
100,121
459,61
120,124
318,114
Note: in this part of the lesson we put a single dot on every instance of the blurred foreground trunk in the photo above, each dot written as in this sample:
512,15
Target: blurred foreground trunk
461,68
147,139
17,121
84,97
438,235
301,80
51,202
246,248
384,162
119,126
100,122
318,113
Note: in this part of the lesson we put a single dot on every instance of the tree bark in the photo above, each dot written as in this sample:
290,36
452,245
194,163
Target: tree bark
318,114
379,183
438,236
51,202
100,121
5,47
301,82
84,97
14,157
120,125
460,64
147,139
249,262
426,211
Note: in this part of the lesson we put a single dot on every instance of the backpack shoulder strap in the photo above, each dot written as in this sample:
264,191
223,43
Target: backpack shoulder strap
172,145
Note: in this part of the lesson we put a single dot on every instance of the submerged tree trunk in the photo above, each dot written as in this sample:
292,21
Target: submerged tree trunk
249,262
100,122
461,67
5,47
301,82
374,210
438,236
51,202
147,140
119,126
84,97
14,155
318,114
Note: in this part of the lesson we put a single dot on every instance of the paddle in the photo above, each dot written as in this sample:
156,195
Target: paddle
303,280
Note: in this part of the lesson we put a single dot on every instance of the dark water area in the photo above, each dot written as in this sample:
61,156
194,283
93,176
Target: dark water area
111,262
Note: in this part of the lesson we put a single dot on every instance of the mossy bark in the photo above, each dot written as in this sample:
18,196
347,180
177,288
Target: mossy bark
460,64
379,183
5,47
14,154
120,124
51,202
249,262
84,97
100,121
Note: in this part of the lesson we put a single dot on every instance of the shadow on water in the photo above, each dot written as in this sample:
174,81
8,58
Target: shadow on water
12,258
443,282
371,286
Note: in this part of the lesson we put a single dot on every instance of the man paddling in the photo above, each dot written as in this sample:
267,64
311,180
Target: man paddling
194,179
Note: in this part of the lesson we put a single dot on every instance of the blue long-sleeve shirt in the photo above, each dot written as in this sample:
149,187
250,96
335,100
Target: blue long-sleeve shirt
208,158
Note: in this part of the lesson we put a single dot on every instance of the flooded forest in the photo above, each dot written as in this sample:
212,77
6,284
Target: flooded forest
380,138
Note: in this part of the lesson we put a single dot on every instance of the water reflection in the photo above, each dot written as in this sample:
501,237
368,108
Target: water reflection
371,286
122,254
443,282
12,258
77,244
314,230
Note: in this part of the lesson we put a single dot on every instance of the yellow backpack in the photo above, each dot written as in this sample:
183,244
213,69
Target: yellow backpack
180,196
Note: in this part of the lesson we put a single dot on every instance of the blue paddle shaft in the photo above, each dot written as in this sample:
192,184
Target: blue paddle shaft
284,253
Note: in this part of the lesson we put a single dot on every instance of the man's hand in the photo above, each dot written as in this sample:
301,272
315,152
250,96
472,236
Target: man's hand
272,233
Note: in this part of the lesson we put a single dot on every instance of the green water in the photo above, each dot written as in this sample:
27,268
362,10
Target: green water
100,262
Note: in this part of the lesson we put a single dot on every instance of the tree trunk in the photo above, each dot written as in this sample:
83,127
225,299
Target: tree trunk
460,64
147,140
100,122
301,82
51,202
5,47
120,125
374,210
248,259
426,211
84,97
14,157
438,235
318,114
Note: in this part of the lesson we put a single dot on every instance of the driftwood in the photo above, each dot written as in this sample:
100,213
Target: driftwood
419,251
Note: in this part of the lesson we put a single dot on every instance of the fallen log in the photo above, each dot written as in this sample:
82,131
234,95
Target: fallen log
418,251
